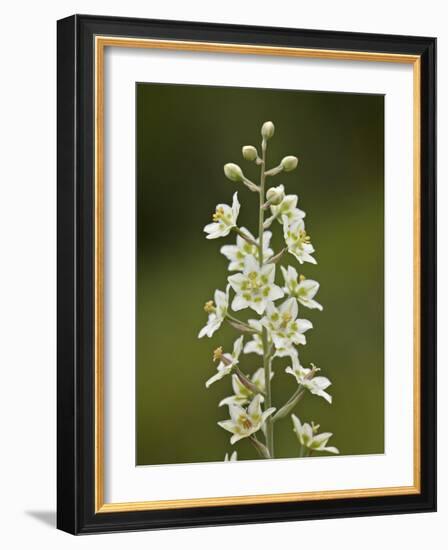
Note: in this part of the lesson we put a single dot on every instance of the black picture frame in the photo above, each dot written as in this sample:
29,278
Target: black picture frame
75,310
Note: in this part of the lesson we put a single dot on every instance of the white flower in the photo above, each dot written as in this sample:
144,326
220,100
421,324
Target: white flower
286,212
314,384
256,344
237,253
243,423
224,219
304,291
297,241
217,312
255,286
232,458
242,394
284,328
307,438
227,363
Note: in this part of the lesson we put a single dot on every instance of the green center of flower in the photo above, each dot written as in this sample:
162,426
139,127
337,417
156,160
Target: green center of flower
286,318
254,281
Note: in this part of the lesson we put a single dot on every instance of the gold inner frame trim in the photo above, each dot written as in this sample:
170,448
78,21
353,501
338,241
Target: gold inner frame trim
101,42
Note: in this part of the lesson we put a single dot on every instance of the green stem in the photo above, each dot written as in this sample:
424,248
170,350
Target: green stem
245,237
303,451
268,399
289,405
266,359
242,323
262,450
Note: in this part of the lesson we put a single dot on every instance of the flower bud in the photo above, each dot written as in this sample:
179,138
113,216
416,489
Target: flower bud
289,163
249,152
267,130
233,172
275,195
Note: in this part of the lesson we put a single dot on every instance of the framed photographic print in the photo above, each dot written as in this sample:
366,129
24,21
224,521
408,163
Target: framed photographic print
246,274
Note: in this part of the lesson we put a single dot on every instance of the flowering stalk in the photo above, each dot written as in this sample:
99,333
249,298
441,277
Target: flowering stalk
277,332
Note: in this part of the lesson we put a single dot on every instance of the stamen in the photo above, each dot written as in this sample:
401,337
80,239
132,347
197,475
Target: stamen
217,354
209,307
246,423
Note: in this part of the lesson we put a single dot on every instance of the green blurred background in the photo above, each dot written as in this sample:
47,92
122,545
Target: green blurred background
185,134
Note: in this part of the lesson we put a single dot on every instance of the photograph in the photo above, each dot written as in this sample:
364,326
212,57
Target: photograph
259,274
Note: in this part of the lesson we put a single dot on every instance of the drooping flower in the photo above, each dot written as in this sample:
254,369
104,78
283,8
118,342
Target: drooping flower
314,384
227,361
306,434
232,458
217,312
242,394
286,210
256,344
297,241
237,253
245,422
303,289
224,219
255,286
284,328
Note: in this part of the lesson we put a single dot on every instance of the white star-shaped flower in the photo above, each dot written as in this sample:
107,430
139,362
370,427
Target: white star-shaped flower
217,312
314,384
297,241
286,212
224,219
243,423
255,286
307,438
303,289
227,361
283,327
236,253
242,394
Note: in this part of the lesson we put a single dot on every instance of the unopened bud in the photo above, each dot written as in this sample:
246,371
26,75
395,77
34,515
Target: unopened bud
267,130
250,153
289,163
275,195
233,172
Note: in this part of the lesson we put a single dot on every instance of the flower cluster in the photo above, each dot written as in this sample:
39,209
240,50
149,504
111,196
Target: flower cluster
279,330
